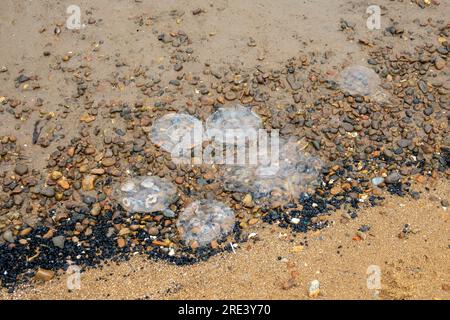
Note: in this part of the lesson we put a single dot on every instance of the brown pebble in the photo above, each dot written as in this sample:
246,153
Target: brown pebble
335,190
121,242
98,171
108,162
214,244
179,180
25,232
206,101
55,175
153,231
439,63
194,245
88,183
48,234
96,209
64,184
44,275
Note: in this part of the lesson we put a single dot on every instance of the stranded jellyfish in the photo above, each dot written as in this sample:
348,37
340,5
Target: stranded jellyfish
295,172
176,132
232,122
204,221
146,194
359,80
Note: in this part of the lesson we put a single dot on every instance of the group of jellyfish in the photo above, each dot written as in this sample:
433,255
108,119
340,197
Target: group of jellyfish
206,220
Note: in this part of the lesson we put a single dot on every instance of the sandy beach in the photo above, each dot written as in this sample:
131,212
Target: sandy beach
77,110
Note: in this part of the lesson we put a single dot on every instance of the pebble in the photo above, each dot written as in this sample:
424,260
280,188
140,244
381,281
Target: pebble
153,231
48,234
168,213
335,190
44,275
197,11
108,162
55,175
377,181
230,96
247,201
206,101
314,289
87,183
179,180
25,232
121,242
393,177
48,192
21,169
439,63
59,241
63,183
8,236
96,209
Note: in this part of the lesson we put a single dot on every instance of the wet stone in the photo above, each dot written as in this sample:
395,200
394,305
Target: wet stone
48,192
59,241
393,177
21,169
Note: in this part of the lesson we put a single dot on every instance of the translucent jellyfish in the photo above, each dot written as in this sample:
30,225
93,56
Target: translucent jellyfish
296,172
170,131
234,122
146,194
291,179
359,80
239,178
204,221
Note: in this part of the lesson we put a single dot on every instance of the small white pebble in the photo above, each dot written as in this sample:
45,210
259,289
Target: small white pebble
314,288
295,220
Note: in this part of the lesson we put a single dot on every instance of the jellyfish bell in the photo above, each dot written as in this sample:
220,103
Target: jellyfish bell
204,221
359,80
145,194
231,123
170,131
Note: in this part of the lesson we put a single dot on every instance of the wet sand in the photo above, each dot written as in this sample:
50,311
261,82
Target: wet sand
276,266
